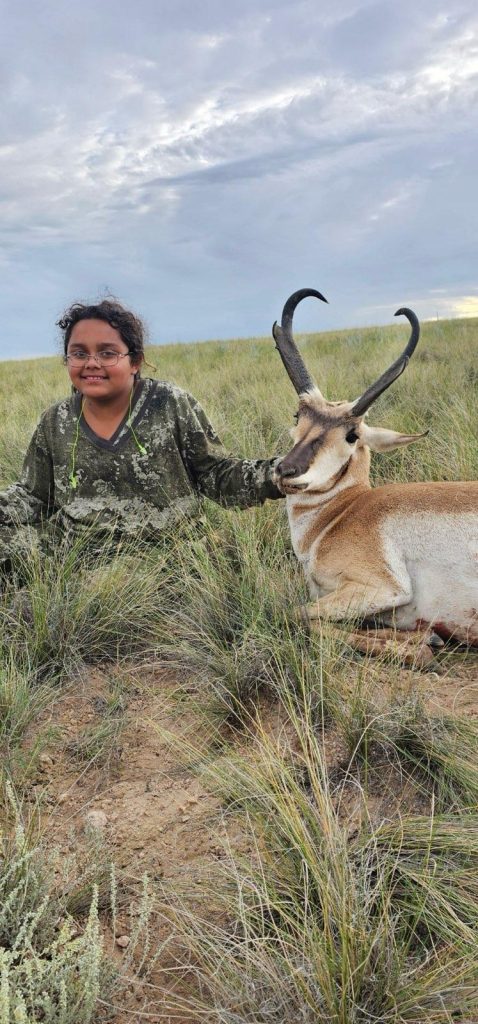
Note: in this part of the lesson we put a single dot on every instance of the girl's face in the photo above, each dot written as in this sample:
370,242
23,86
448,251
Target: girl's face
92,376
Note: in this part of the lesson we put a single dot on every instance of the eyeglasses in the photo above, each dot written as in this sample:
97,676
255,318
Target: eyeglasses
106,358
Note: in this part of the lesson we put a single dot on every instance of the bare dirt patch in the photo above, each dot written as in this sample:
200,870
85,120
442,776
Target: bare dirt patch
140,791
145,799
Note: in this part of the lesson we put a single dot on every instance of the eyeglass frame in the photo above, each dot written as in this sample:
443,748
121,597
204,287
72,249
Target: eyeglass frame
69,358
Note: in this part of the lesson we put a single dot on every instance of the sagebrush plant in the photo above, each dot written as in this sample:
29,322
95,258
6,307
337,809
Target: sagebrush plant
61,983
48,971
26,882
55,965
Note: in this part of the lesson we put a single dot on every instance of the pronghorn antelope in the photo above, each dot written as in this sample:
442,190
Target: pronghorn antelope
402,555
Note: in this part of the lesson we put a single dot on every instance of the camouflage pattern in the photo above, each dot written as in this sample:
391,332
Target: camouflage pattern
146,477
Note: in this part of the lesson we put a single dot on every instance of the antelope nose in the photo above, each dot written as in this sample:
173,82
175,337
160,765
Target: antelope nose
287,469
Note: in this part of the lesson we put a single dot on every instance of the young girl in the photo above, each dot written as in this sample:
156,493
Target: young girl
123,456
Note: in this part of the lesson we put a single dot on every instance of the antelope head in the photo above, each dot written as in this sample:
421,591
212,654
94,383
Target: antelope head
332,438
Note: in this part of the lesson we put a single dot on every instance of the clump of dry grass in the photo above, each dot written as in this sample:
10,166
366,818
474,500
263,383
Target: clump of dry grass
311,925
67,610
438,750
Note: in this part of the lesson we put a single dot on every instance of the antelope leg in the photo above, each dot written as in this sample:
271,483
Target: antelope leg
355,601
413,649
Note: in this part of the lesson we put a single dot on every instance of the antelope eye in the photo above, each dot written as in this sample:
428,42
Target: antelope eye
351,437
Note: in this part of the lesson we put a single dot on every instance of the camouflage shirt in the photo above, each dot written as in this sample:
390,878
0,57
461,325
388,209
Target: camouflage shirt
140,480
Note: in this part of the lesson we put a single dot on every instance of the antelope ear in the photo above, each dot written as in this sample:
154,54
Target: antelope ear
381,440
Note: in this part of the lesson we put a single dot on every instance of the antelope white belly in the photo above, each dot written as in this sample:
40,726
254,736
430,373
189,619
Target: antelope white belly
438,555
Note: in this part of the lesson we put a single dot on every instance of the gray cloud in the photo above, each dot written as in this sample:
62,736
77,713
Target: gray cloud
202,162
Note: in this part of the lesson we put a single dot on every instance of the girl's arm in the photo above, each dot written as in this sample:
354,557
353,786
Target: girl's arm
31,500
240,482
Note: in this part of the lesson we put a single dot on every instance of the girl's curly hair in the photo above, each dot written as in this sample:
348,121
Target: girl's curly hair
129,326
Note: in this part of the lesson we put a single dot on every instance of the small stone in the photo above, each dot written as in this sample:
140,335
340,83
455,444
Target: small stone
46,760
62,797
193,800
96,819
122,941
185,818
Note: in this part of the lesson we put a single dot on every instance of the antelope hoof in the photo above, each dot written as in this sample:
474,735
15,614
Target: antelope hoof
434,641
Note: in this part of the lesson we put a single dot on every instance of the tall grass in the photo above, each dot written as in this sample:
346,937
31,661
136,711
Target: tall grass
433,864
64,609
22,697
229,623
315,926
249,398
437,750
325,919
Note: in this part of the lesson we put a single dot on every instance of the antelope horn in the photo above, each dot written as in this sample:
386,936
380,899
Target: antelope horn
286,345
372,393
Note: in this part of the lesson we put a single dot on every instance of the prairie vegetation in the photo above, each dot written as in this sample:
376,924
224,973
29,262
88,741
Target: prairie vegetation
312,849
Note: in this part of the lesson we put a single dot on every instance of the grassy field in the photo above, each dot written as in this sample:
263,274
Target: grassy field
206,814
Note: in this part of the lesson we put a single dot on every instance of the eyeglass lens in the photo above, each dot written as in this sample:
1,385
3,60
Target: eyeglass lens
101,358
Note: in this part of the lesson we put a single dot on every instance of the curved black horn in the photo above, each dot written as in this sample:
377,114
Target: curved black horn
286,345
372,393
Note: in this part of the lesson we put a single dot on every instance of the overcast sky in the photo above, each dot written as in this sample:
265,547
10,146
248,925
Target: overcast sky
202,161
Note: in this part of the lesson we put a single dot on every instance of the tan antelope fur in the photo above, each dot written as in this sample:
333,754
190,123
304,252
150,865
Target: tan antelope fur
405,555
